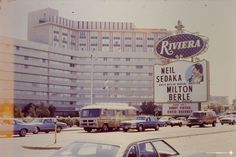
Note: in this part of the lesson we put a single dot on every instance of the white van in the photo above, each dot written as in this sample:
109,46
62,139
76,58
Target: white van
105,116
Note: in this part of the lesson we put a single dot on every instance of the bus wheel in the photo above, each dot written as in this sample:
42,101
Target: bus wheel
125,130
105,128
88,129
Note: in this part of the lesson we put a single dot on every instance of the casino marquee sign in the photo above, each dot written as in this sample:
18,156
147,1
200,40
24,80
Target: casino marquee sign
181,46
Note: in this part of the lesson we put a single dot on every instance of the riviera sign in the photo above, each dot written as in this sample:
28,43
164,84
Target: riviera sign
181,46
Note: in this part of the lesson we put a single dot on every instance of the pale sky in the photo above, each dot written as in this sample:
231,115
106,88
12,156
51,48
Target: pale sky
214,19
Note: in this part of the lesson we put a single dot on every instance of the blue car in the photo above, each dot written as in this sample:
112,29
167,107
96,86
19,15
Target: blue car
48,124
140,123
10,127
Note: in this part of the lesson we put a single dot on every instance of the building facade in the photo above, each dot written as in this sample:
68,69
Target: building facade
74,63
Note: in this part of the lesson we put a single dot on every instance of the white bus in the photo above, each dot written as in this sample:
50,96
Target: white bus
105,116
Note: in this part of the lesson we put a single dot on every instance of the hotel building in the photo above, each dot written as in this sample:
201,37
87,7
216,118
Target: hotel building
72,63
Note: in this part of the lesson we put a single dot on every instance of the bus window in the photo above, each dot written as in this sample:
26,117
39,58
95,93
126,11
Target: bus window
110,113
90,113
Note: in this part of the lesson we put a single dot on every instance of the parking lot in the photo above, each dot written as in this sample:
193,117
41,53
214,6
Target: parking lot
186,140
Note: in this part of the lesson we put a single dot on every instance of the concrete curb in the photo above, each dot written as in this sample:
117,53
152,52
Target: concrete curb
52,147
73,129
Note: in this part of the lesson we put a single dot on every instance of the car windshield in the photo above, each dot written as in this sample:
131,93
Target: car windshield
81,149
140,118
37,120
164,118
197,114
90,112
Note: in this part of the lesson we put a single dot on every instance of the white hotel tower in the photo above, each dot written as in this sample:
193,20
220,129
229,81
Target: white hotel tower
72,63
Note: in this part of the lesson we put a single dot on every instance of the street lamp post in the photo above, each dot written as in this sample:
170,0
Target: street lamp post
91,81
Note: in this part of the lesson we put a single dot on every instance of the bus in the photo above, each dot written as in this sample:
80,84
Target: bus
105,116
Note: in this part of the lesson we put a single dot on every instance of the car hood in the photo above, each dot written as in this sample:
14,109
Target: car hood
193,118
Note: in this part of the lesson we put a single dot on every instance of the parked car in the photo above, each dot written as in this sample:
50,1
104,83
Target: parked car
140,123
48,124
202,118
165,119
118,147
228,119
179,121
161,123
10,127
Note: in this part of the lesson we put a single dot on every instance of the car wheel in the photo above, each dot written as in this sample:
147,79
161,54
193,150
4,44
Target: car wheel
180,125
59,129
222,123
157,128
233,122
105,128
47,131
172,125
140,128
189,126
23,132
36,131
125,130
213,124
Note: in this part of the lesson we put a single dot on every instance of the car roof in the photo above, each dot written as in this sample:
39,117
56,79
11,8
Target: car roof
114,106
117,141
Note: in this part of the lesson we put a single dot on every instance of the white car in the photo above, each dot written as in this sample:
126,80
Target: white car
113,147
179,121
228,119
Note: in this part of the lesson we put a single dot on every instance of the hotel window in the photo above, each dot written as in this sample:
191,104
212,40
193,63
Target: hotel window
139,67
72,65
82,35
116,74
56,38
56,32
94,37
17,47
150,38
127,45
139,45
26,57
105,37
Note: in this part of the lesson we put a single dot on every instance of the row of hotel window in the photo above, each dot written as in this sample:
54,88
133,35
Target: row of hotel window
75,87
40,70
65,65
64,57
78,95
36,78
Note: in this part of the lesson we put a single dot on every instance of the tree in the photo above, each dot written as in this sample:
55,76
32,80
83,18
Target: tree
32,111
18,113
148,108
52,110
29,110
42,111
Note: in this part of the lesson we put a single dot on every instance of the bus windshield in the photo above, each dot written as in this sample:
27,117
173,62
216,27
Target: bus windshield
90,113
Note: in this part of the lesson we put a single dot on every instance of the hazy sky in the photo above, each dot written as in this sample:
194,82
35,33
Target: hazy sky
214,19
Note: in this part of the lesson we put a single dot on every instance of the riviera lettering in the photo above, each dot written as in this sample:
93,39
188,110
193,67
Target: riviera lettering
168,47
